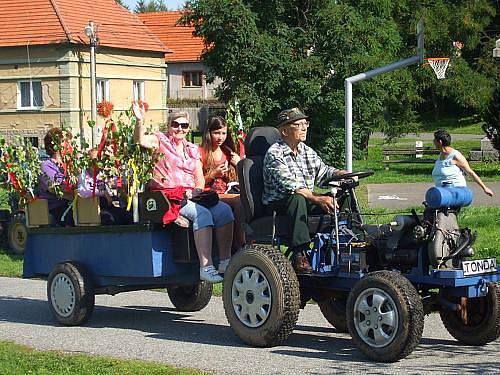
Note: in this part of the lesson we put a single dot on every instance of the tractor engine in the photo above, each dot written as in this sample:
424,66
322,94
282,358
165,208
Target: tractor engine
436,232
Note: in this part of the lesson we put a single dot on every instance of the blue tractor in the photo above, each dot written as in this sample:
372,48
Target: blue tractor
376,282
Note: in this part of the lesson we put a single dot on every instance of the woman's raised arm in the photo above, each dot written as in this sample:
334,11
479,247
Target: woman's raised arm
463,164
149,141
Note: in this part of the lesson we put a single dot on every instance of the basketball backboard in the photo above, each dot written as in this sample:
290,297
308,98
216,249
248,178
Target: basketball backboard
420,40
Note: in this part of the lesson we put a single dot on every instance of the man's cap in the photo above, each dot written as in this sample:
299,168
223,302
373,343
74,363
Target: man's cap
179,117
290,115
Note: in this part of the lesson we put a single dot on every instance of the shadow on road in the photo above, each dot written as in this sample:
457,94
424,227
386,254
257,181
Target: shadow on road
165,323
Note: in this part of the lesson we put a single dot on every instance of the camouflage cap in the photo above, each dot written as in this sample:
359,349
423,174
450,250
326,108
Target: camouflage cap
290,115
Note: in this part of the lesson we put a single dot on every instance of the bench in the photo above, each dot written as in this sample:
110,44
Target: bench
412,155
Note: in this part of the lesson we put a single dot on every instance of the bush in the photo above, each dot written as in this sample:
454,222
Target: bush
491,117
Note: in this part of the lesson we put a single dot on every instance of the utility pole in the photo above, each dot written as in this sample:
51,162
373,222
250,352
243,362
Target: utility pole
89,30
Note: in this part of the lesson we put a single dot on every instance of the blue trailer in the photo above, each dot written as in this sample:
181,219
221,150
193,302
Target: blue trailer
81,262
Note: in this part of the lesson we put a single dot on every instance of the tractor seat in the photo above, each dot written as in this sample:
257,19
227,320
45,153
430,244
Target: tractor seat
257,220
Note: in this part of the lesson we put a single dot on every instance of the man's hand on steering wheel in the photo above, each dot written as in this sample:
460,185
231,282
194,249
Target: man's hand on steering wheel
325,202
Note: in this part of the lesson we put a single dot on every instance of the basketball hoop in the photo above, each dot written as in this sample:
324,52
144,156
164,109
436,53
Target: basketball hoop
439,65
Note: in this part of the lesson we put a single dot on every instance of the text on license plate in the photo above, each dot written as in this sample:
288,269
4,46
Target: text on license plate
479,266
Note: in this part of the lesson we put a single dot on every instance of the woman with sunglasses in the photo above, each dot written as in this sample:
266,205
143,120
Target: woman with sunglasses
181,166
219,158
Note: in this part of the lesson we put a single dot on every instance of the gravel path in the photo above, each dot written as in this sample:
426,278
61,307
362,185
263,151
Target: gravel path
143,325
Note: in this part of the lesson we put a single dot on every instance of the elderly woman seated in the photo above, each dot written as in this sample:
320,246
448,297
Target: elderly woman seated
180,166
52,175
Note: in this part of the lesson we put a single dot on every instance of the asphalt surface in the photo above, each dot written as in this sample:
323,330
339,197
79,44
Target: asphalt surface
143,325
401,195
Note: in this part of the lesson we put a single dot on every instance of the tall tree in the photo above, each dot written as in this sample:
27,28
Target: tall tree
273,54
283,53
145,6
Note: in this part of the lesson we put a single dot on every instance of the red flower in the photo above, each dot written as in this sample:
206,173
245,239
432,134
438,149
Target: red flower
104,108
143,104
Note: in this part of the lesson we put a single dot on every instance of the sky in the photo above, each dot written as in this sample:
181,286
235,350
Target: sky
172,4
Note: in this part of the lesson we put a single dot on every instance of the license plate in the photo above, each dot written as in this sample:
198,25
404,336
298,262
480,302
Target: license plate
479,267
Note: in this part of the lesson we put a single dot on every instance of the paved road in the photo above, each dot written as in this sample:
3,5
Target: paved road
143,325
413,194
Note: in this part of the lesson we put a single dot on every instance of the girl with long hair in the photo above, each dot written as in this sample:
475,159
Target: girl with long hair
219,159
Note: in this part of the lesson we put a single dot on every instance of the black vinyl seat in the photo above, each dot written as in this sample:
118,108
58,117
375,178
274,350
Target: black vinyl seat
257,220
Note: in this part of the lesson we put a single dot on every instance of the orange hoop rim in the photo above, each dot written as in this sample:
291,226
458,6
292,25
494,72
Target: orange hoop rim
436,58
427,59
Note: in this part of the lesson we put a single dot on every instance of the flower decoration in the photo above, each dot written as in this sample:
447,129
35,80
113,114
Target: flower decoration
235,122
19,168
104,108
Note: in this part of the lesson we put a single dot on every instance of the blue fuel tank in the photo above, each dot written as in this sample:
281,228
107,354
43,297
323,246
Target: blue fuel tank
448,197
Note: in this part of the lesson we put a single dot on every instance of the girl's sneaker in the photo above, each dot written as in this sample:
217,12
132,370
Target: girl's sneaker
210,275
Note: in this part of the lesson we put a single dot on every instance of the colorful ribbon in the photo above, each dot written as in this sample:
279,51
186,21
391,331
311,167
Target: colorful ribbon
132,186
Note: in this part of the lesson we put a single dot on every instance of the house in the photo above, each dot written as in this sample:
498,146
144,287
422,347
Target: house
45,65
186,73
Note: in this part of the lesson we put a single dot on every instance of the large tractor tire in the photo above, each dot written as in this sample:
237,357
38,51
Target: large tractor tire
385,316
261,296
70,294
334,310
190,297
17,234
478,321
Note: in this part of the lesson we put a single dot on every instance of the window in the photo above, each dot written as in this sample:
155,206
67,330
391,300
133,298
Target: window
139,90
192,79
102,90
30,94
32,140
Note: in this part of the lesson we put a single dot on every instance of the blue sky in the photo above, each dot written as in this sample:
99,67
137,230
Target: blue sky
172,4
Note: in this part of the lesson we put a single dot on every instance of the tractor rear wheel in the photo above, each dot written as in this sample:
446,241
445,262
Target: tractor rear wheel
478,321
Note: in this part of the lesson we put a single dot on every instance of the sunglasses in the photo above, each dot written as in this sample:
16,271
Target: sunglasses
176,125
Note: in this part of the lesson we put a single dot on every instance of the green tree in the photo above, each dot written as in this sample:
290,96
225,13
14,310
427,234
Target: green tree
273,54
281,53
145,6
468,84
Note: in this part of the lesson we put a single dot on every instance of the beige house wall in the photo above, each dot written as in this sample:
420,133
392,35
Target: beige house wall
65,75
176,88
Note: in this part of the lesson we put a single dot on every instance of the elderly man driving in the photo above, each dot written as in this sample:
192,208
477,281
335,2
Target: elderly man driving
291,170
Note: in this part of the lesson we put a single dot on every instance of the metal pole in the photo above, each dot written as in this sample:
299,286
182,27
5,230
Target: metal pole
93,85
348,100
348,125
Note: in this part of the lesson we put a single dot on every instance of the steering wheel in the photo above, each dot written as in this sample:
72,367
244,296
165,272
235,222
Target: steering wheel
345,176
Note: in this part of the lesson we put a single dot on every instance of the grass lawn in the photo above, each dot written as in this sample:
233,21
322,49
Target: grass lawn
10,265
404,173
18,359
453,124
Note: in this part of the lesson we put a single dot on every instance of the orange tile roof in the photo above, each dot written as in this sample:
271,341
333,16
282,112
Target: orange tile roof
63,21
179,39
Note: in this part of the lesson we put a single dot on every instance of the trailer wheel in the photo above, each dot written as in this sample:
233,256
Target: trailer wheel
17,233
190,297
478,322
70,294
385,316
261,296
334,310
